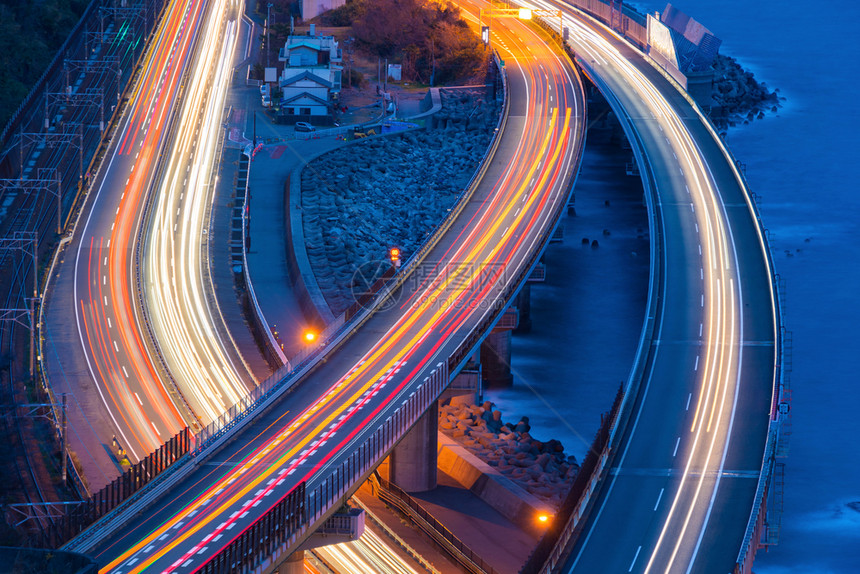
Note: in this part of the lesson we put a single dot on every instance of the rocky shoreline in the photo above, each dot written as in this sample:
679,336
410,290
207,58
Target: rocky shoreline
541,468
360,200
739,98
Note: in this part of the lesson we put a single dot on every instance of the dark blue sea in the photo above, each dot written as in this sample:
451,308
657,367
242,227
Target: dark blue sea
804,163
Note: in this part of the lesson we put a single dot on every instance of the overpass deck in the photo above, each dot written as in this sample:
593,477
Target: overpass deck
334,426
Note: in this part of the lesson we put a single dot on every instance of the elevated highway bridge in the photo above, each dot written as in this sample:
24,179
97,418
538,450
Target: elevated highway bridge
281,473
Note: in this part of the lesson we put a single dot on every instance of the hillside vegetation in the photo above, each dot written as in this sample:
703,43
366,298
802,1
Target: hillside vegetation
430,39
31,32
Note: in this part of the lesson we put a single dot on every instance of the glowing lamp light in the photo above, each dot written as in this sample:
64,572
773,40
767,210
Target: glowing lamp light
543,518
310,336
525,14
394,255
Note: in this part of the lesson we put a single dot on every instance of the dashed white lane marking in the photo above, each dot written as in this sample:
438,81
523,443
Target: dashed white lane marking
106,301
674,155
700,329
638,550
154,428
682,171
703,299
697,228
677,442
696,366
700,249
689,398
659,496
126,376
105,263
104,279
115,346
110,325
138,398
701,274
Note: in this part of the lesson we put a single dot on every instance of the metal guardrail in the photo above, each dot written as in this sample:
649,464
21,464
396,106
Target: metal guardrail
214,435
456,548
95,161
551,547
746,552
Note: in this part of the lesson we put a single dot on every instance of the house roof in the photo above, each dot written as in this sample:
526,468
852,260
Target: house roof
306,95
305,75
306,44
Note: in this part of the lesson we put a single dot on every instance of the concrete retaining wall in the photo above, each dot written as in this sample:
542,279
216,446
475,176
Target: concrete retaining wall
485,482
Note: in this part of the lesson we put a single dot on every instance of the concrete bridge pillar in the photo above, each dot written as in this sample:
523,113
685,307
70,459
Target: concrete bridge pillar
523,303
496,359
294,564
412,464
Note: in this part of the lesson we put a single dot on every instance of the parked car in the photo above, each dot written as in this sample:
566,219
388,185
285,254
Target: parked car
304,127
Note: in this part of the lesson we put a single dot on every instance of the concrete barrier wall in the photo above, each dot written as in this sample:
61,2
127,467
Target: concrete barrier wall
294,235
502,494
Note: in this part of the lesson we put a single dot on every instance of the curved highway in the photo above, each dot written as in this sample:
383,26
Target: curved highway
175,262
163,152
681,484
142,413
351,394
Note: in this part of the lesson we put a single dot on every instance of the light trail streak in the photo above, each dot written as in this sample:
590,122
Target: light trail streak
333,422
174,265
109,333
706,447
370,554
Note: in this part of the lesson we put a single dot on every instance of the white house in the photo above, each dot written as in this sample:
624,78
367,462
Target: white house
311,78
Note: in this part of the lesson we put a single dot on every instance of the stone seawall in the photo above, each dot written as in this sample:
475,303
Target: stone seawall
359,200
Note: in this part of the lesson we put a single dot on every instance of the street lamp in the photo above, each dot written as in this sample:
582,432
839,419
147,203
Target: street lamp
394,255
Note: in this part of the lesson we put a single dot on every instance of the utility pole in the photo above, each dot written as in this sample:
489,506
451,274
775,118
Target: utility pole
268,27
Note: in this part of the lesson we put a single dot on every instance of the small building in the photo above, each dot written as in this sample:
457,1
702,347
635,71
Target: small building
311,78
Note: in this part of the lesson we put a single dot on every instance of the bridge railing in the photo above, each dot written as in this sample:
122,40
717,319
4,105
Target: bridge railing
470,560
216,432
749,545
265,537
550,549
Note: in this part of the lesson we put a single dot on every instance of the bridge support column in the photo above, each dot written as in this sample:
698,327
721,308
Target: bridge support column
412,464
496,359
523,303
294,564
